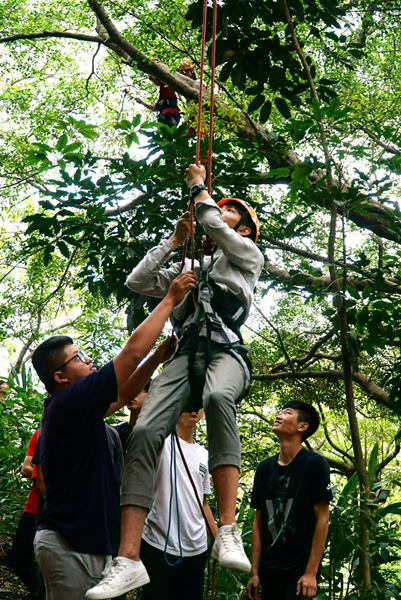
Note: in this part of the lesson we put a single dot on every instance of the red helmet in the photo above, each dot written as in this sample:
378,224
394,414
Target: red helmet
186,65
248,209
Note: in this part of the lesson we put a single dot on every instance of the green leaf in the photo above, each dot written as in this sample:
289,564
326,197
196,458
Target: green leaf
62,246
61,143
334,104
282,107
265,111
256,103
391,509
347,490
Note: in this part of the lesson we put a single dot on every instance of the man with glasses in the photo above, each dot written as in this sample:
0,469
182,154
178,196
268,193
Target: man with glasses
291,495
80,523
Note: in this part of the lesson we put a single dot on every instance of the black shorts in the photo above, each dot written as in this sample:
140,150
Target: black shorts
280,586
181,582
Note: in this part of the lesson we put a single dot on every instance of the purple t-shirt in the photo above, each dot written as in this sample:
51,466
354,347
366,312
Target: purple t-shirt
82,491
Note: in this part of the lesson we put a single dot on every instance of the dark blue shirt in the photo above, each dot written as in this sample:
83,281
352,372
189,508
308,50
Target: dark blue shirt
285,495
82,491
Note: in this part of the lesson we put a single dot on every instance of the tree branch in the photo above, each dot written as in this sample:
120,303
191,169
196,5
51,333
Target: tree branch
334,375
53,34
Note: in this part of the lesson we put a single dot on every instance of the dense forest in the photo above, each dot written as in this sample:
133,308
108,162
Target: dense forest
307,129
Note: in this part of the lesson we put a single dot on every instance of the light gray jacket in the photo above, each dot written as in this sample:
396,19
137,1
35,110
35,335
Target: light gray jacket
237,265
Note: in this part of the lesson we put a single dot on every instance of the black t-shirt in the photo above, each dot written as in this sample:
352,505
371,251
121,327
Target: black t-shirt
124,431
285,496
82,490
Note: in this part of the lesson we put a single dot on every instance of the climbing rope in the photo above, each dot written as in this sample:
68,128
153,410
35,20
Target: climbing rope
190,208
173,488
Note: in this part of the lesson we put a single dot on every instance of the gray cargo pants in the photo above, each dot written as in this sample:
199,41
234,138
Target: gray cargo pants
68,574
169,396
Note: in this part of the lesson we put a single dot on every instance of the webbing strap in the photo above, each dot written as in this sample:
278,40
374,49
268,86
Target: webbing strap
193,486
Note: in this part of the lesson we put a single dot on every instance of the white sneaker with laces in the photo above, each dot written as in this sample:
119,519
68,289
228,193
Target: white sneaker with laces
119,577
229,551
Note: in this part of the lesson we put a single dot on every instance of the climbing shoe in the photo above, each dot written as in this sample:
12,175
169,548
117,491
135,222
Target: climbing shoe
228,549
119,577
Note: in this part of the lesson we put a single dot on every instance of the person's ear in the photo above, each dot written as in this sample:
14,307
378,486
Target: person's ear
303,426
244,230
60,378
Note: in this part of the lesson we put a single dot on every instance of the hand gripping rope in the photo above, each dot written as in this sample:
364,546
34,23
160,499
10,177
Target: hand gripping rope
199,123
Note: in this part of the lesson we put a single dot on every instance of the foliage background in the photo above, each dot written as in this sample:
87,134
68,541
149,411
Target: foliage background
313,146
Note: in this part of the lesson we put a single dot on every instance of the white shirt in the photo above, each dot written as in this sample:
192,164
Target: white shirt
192,525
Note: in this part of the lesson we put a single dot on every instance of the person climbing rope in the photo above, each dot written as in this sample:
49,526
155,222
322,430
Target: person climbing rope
210,368
166,104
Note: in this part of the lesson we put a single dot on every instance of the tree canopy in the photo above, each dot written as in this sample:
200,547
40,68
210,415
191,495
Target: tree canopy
307,118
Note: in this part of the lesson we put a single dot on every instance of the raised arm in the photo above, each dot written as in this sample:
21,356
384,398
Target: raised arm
149,277
253,584
144,337
140,377
239,250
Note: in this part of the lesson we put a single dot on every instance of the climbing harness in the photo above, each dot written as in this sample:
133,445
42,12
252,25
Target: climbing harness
166,103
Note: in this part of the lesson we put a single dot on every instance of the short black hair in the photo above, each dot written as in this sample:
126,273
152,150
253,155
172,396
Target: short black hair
147,386
48,357
307,413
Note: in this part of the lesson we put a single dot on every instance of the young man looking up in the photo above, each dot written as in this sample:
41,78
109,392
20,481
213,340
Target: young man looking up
209,369
175,579
291,495
79,527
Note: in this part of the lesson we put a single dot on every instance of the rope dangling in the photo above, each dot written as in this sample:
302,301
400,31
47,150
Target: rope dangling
199,123
173,489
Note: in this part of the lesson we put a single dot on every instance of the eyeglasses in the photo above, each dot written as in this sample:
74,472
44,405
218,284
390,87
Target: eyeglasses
80,355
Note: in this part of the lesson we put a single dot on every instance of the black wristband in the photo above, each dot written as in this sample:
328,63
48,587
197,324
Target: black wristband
196,189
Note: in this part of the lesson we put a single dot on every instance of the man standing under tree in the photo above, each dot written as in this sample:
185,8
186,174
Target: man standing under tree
79,526
291,495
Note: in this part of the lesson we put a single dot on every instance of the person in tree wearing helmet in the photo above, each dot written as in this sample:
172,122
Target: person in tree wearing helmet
166,105
210,369
187,68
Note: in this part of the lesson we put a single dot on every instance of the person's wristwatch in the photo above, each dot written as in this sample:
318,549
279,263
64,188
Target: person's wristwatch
196,189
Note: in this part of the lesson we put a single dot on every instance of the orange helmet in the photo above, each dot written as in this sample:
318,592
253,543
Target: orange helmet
249,211
186,65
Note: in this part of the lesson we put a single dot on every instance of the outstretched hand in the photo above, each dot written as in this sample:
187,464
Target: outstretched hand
180,286
166,349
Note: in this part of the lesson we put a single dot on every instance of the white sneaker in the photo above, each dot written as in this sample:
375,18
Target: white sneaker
119,577
229,551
